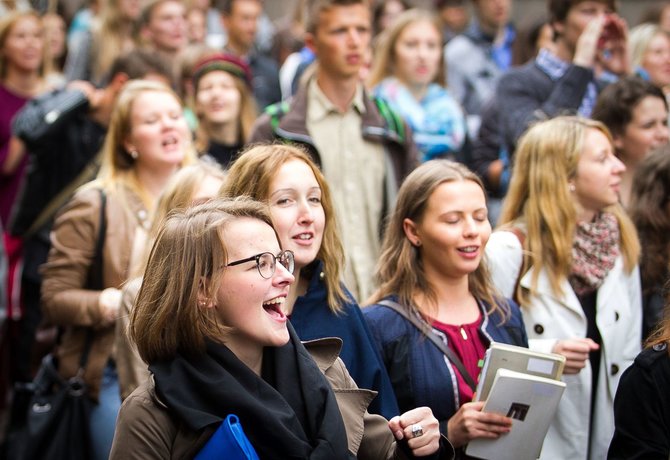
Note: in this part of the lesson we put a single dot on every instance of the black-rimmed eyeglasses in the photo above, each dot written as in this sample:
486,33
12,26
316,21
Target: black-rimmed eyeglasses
266,262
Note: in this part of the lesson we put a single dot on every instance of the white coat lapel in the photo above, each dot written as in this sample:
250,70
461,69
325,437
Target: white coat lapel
568,299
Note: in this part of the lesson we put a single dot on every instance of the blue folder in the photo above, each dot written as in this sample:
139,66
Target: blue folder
228,442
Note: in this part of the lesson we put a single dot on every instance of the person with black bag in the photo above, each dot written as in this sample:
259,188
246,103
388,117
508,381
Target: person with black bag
62,131
147,141
435,312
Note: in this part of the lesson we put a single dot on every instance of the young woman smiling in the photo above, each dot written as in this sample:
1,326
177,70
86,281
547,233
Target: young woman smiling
431,265
218,343
224,105
318,304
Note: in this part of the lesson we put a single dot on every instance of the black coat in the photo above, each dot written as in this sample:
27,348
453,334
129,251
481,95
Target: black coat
642,408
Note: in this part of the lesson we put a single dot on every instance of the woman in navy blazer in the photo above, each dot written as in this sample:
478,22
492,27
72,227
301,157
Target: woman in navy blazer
431,265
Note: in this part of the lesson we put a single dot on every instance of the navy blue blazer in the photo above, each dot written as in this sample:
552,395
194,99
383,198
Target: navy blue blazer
313,319
420,374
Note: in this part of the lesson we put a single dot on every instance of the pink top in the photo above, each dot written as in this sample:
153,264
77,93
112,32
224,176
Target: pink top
10,104
467,343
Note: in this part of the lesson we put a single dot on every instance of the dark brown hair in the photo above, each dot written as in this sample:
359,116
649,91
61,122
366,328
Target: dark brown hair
650,211
559,9
617,101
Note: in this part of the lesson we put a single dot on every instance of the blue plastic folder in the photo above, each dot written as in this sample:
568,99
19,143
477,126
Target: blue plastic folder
228,442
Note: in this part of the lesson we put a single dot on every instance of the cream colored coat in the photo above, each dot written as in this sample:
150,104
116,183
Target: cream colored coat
551,318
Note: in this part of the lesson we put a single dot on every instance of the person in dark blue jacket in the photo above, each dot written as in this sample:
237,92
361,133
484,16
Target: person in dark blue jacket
319,305
431,265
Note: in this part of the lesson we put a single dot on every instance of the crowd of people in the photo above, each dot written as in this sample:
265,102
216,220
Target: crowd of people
228,214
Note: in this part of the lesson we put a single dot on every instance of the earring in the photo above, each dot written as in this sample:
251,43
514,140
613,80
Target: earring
134,154
571,187
416,243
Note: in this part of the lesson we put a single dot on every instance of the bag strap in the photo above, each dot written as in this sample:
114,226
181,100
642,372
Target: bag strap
423,327
95,280
50,210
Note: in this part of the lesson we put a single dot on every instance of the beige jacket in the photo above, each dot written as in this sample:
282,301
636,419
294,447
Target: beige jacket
65,301
132,370
146,430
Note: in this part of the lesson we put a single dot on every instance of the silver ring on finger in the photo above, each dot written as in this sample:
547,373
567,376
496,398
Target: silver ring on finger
417,430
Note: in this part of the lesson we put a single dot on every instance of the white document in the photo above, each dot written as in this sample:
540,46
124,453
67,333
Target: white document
520,359
531,402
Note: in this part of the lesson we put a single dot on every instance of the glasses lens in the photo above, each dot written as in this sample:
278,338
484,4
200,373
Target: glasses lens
266,265
286,258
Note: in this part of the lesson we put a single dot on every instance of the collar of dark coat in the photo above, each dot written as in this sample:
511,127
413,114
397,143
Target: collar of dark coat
293,125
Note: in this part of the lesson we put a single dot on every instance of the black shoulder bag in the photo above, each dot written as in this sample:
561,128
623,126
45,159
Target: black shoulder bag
53,423
429,334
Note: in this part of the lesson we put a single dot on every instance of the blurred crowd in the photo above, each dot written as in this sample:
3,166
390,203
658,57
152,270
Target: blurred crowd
387,141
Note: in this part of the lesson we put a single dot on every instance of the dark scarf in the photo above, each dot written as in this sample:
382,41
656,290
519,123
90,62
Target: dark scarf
594,252
289,413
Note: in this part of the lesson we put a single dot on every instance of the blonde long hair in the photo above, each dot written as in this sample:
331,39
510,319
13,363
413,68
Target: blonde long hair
400,269
118,166
384,61
251,174
539,199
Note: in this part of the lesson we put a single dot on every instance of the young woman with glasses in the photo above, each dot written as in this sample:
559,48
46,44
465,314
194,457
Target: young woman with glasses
318,304
218,342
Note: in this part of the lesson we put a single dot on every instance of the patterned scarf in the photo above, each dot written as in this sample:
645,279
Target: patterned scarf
594,252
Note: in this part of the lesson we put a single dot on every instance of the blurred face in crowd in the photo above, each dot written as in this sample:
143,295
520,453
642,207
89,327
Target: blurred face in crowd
392,8
597,182
454,15
341,39
167,28
493,14
130,9
418,54
656,60
23,47
159,133
197,25
242,24
54,34
297,212
578,17
647,130
218,99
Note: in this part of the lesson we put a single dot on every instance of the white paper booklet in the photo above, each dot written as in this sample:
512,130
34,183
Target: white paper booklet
528,399
520,359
